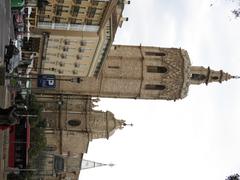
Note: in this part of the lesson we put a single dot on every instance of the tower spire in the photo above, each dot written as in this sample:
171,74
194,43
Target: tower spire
87,164
201,75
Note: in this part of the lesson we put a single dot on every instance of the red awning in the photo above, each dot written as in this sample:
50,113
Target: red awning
28,141
11,153
28,134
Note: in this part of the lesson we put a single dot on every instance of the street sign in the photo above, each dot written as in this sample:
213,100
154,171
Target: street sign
46,81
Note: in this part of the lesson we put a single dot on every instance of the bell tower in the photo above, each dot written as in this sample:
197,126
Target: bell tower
143,72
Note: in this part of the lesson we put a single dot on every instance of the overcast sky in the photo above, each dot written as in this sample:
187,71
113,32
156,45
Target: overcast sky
195,138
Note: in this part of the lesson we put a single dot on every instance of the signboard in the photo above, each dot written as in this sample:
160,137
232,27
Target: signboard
46,81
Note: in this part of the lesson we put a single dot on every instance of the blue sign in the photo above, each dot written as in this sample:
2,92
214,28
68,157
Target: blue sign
46,81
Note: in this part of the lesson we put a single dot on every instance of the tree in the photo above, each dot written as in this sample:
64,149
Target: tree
233,177
38,139
236,11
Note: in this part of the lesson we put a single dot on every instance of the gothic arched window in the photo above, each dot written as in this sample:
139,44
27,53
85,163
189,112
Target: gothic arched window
154,87
156,69
198,77
74,122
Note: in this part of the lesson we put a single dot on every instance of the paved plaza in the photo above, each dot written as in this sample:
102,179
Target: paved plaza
6,33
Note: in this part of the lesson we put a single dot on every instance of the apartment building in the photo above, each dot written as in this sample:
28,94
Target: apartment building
76,35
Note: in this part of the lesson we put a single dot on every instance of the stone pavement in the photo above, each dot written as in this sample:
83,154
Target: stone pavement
5,95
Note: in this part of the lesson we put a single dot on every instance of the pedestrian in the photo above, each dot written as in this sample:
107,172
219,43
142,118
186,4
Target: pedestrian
8,116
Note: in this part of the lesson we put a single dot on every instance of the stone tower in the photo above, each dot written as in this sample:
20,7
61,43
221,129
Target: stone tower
142,72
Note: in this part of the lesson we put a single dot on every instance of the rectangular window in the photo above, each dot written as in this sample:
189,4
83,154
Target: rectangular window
89,22
76,65
154,87
91,12
61,64
75,72
59,10
63,56
81,50
150,53
75,10
72,20
113,67
83,43
60,71
78,1
65,49
60,1
66,41
94,3
57,19
79,57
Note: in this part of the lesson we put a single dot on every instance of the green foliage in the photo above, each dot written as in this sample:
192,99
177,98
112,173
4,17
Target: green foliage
233,177
26,175
36,109
38,140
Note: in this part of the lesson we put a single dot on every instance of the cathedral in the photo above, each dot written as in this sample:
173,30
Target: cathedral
134,72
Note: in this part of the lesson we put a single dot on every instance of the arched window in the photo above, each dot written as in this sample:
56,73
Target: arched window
150,53
154,87
74,122
198,77
215,78
156,69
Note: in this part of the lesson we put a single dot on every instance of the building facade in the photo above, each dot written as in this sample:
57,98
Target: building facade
71,125
140,72
74,35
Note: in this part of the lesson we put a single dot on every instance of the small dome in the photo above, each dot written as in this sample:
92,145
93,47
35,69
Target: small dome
104,124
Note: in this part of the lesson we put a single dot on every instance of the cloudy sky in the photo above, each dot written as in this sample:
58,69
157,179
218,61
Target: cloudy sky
195,138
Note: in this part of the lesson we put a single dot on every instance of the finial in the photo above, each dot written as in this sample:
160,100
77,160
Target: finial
236,77
111,164
125,124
